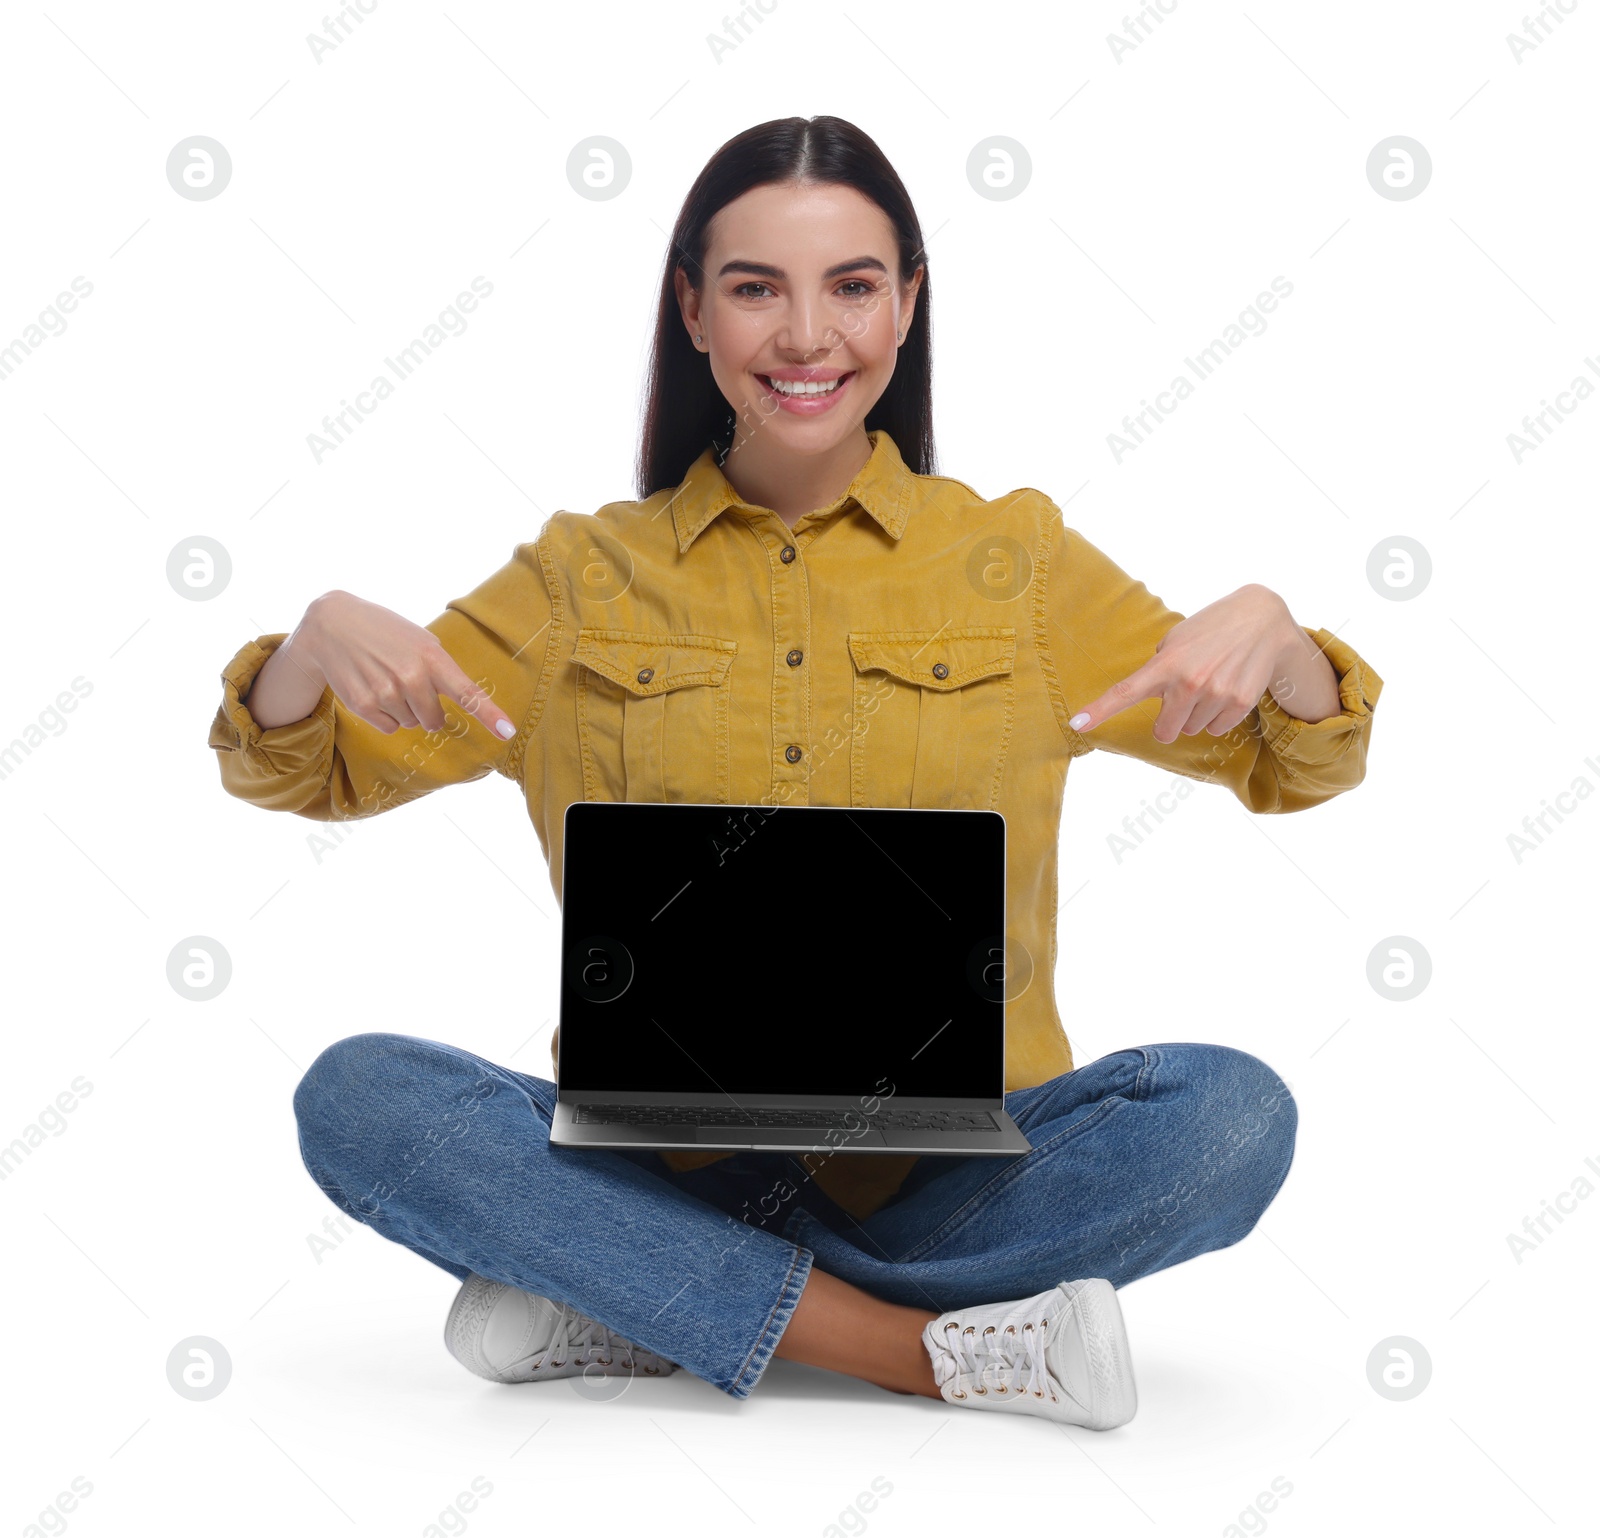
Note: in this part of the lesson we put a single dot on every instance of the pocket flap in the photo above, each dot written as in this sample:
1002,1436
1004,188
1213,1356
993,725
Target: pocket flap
645,663
920,656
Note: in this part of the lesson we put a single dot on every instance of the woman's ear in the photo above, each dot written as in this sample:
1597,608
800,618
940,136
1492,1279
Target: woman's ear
688,302
908,300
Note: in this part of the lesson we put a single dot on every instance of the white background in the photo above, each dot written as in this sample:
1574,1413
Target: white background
1167,190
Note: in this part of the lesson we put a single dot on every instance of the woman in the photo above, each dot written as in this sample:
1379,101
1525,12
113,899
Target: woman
798,610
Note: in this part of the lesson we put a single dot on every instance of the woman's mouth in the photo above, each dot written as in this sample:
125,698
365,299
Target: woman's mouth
806,399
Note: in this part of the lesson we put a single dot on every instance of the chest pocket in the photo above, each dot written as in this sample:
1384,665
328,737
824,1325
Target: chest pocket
933,715
653,715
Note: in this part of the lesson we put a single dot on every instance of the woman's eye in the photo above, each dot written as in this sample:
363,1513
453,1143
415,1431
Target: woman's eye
861,288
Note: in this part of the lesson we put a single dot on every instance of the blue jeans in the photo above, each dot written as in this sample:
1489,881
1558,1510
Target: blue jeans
1141,1159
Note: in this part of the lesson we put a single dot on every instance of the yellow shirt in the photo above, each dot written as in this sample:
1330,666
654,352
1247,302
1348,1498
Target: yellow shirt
910,644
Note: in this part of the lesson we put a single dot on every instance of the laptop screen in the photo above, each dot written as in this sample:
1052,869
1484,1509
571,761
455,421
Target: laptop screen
712,951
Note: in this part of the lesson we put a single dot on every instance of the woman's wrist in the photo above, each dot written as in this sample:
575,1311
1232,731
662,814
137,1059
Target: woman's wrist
1304,682
290,682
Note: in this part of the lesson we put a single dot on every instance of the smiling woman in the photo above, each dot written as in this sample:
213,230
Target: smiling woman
799,272
797,609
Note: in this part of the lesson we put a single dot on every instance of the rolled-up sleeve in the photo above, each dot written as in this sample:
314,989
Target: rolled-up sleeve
1100,625
334,766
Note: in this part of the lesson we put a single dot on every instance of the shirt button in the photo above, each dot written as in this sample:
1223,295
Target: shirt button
792,753
793,658
786,554
940,670
646,674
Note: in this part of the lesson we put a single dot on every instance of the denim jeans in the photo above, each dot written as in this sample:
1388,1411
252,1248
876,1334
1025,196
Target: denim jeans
1141,1159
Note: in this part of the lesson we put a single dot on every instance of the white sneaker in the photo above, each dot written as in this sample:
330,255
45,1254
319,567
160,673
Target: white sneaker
511,1336
1061,1354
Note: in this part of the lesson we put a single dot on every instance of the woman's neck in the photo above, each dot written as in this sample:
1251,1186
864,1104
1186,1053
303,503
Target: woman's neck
794,485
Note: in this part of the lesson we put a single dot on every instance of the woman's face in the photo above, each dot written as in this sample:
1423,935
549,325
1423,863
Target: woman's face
801,286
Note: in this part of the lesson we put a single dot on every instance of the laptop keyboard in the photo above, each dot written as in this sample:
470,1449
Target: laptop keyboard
731,1116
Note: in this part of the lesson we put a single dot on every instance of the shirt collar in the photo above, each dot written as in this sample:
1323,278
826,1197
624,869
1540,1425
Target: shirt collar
882,487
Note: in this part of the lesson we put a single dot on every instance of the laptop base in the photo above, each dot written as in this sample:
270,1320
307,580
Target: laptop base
1004,1140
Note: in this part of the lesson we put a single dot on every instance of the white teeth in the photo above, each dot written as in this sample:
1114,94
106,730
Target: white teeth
790,387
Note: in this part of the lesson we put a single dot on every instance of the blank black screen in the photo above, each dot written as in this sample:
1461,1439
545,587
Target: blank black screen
711,950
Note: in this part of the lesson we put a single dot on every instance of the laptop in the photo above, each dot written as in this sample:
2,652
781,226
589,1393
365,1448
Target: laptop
796,978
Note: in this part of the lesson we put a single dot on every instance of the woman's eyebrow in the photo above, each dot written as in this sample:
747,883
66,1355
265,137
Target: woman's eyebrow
767,270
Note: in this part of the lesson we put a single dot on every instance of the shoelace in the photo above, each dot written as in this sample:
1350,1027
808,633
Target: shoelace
578,1337
1000,1357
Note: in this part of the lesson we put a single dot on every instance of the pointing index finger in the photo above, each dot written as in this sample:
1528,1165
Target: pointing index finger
1141,684
454,684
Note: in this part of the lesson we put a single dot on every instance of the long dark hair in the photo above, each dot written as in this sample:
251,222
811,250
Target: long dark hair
685,412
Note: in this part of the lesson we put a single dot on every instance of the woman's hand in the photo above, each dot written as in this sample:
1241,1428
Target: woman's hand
1210,670
387,670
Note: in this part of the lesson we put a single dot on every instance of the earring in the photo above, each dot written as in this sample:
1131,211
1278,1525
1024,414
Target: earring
899,336
697,339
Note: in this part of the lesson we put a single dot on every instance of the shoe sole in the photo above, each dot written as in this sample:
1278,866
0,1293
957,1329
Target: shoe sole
1115,1398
